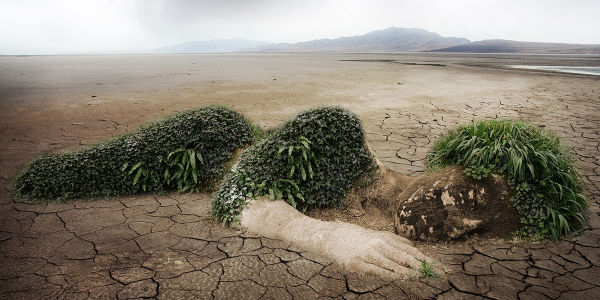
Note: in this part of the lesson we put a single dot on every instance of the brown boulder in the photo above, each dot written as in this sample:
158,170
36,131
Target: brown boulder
446,205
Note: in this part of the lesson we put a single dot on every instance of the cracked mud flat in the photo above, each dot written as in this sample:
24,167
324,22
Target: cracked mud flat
167,247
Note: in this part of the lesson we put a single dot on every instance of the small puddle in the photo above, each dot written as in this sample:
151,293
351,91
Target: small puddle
573,70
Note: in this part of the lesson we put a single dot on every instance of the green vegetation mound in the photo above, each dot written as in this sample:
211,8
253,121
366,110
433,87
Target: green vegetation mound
547,188
181,151
313,159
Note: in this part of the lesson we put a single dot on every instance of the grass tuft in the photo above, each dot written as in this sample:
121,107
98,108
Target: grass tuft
426,270
547,187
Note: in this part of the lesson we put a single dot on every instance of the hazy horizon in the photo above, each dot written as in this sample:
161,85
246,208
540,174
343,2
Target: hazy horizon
29,27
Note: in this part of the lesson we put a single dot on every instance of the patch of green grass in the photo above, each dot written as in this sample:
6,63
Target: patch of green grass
180,152
547,187
426,270
313,159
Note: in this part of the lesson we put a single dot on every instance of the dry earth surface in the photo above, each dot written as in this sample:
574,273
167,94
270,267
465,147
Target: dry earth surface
168,247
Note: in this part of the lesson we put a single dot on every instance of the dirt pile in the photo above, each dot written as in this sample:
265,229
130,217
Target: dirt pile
435,206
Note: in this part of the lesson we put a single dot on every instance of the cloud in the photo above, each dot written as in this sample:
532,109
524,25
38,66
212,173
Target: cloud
185,19
37,26
31,27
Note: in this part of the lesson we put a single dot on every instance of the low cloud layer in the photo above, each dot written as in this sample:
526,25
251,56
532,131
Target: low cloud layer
44,27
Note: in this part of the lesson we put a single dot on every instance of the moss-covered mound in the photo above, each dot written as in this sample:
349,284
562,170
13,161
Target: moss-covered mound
547,188
313,159
181,151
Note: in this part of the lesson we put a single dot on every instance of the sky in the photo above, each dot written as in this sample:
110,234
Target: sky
84,26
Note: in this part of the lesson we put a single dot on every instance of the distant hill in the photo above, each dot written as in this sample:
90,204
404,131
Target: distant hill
212,46
392,39
507,46
387,40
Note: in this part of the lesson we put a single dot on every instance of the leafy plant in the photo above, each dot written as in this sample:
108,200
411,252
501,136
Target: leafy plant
184,165
477,172
531,205
547,188
428,270
313,159
144,175
299,159
136,162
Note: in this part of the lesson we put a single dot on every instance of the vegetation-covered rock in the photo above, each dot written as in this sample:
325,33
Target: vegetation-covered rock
313,159
181,151
546,186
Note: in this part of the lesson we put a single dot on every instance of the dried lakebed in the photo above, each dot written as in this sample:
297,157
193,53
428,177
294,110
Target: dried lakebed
167,247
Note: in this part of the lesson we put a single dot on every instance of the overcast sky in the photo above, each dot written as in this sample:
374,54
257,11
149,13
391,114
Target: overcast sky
60,26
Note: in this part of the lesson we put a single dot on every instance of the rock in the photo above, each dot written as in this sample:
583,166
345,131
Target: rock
446,205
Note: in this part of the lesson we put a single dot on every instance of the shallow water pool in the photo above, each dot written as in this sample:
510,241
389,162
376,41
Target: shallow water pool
564,69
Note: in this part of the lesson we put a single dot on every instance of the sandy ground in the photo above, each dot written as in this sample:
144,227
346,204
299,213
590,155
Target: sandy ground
50,104
53,103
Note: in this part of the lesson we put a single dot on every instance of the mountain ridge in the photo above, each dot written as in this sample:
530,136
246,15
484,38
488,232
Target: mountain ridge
510,46
391,39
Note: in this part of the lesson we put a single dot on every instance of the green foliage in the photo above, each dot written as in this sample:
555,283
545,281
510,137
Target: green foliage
313,159
478,172
547,187
136,162
258,133
144,175
184,169
426,270
530,203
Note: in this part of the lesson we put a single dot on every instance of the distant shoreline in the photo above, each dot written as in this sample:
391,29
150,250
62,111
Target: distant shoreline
594,71
238,53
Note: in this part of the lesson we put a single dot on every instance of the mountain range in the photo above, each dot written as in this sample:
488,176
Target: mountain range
507,46
387,40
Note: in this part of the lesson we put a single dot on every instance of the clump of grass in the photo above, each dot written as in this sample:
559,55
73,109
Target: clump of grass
313,159
426,270
547,187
